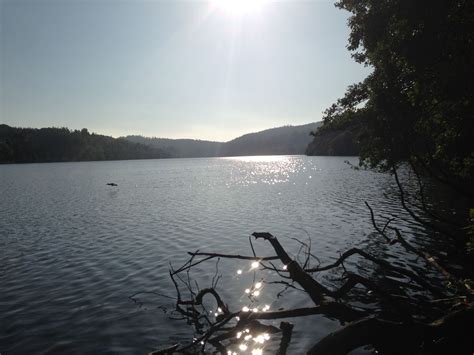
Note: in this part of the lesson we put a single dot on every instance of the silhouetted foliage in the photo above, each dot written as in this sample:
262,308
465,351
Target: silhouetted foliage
417,104
416,110
334,143
29,145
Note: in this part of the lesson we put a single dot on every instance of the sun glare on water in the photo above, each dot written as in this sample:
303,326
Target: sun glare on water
238,7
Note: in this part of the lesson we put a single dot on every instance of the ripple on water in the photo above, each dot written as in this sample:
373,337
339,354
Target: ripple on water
73,250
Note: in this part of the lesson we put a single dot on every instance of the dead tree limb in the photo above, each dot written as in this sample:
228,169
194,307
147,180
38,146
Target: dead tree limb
287,330
332,310
413,215
315,290
364,326
382,263
233,256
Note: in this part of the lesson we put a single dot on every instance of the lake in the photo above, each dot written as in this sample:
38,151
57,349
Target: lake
73,249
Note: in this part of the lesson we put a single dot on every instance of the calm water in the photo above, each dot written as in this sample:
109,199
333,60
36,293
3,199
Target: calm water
72,250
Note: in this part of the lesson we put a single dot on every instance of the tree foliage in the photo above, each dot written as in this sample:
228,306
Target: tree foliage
28,145
417,104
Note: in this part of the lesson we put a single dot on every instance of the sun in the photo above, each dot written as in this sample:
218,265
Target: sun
238,7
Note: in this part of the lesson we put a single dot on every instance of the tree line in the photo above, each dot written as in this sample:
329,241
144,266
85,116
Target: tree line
31,145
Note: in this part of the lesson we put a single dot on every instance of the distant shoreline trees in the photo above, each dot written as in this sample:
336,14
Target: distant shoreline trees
31,145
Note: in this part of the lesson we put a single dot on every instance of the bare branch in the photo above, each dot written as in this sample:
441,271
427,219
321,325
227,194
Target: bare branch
333,310
315,290
287,330
372,217
233,256
382,263
413,214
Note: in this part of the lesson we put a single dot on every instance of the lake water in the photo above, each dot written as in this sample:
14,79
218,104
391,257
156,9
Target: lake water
72,249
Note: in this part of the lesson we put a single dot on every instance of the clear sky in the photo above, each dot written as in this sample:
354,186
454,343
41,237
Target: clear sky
169,68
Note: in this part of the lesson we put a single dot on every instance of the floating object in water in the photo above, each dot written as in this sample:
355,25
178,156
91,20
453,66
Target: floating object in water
112,184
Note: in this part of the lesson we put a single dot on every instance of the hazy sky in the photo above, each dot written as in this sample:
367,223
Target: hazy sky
169,68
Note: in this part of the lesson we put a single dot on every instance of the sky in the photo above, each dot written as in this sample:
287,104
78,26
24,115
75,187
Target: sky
169,68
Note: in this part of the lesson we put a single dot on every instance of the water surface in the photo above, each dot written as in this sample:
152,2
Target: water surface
73,249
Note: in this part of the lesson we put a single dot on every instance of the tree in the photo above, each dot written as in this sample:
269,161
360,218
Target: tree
417,104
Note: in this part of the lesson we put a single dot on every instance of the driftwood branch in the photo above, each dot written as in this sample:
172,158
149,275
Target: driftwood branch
225,329
232,256
382,263
314,289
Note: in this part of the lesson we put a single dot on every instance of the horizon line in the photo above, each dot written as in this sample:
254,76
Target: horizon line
156,137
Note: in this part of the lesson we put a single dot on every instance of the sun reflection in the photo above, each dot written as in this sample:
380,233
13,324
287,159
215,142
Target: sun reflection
255,265
249,341
270,170
243,347
260,158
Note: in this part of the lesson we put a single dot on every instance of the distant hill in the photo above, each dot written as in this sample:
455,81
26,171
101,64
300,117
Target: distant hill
31,145
273,141
181,148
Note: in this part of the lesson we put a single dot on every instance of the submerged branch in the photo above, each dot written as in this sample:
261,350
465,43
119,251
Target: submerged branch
383,264
363,326
234,256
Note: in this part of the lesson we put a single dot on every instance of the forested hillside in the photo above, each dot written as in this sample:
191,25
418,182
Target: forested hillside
273,141
30,145
181,148
281,140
